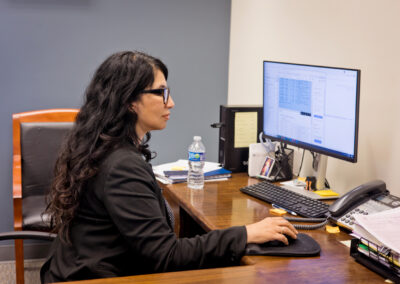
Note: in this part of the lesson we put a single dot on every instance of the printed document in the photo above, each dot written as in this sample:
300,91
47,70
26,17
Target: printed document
383,226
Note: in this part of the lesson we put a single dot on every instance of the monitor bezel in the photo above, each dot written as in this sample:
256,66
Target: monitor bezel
311,147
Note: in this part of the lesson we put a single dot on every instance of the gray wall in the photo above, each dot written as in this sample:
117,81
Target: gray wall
50,49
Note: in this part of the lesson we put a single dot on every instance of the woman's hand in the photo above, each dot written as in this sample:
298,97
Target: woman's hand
269,229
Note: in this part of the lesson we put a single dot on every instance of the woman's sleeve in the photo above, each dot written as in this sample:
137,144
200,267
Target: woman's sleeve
131,200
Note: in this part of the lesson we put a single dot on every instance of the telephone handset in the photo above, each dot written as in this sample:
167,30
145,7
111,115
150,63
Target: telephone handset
365,199
358,195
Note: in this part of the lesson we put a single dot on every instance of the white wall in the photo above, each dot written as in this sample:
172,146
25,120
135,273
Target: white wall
359,34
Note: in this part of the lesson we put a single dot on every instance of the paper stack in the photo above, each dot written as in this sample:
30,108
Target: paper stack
379,238
176,172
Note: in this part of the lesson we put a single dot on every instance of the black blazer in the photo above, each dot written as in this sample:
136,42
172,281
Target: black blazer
121,228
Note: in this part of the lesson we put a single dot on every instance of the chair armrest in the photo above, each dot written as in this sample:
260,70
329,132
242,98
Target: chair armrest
17,192
35,235
17,187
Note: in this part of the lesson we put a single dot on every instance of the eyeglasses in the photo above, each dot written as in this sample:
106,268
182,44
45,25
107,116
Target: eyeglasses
159,92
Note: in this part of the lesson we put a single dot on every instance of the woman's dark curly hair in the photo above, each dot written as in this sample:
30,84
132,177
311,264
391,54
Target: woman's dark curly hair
105,122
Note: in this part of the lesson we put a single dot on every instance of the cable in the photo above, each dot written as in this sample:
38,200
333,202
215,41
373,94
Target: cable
311,227
311,220
327,185
314,160
268,144
301,163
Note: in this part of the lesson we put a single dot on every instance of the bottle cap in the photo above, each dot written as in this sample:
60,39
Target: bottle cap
197,138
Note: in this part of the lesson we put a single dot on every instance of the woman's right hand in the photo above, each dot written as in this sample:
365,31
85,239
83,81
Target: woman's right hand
270,229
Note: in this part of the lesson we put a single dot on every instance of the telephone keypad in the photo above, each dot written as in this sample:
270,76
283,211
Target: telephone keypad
371,206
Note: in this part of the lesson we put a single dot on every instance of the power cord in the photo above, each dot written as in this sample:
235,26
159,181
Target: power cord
314,160
301,163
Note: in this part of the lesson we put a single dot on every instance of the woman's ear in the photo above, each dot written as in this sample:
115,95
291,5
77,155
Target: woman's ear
134,107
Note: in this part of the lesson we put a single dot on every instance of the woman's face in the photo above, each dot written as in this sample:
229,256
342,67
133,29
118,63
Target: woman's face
151,111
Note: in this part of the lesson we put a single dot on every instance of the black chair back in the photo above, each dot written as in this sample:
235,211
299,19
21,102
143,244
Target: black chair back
40,145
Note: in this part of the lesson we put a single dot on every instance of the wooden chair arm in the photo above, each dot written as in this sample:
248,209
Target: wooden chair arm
17,187
17,192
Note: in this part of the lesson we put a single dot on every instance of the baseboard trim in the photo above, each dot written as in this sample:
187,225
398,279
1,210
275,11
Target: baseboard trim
31,251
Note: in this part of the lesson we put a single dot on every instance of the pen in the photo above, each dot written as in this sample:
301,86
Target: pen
288,211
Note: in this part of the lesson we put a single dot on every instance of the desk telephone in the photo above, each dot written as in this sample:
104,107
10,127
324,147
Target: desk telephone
365,199
368,198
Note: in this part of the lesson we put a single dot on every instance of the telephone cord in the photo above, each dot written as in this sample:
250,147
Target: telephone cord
323,221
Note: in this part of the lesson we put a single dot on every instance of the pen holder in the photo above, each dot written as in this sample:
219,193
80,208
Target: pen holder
283,168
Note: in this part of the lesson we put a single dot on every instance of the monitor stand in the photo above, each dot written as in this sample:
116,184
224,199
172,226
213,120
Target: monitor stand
320,173
319,168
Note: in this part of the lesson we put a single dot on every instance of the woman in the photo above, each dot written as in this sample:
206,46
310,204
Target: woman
105,204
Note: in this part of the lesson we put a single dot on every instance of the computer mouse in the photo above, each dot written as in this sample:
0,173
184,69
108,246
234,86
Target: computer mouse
290,239
276,243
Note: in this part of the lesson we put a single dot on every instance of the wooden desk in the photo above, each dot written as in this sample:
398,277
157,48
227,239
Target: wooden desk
221,205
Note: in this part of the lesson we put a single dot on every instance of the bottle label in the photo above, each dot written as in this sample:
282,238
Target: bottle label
196,156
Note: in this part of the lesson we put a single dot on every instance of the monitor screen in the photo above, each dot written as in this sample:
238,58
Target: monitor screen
312,107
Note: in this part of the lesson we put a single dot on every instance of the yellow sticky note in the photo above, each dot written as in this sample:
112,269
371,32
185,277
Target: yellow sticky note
303,179
246,127
332,229
277,211
326,192
177,168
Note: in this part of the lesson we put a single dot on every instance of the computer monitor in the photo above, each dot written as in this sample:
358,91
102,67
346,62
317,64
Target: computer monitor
314,108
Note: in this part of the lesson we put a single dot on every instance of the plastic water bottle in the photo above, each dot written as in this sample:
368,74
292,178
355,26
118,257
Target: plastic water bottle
195,178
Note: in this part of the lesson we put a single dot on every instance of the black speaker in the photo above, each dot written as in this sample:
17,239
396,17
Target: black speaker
238,126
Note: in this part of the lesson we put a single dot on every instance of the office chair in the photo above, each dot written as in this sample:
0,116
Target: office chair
37,137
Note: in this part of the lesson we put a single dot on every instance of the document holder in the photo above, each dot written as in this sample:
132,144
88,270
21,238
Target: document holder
304,245
233,155
387,271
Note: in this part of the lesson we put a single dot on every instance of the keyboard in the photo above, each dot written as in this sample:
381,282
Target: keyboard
302,205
